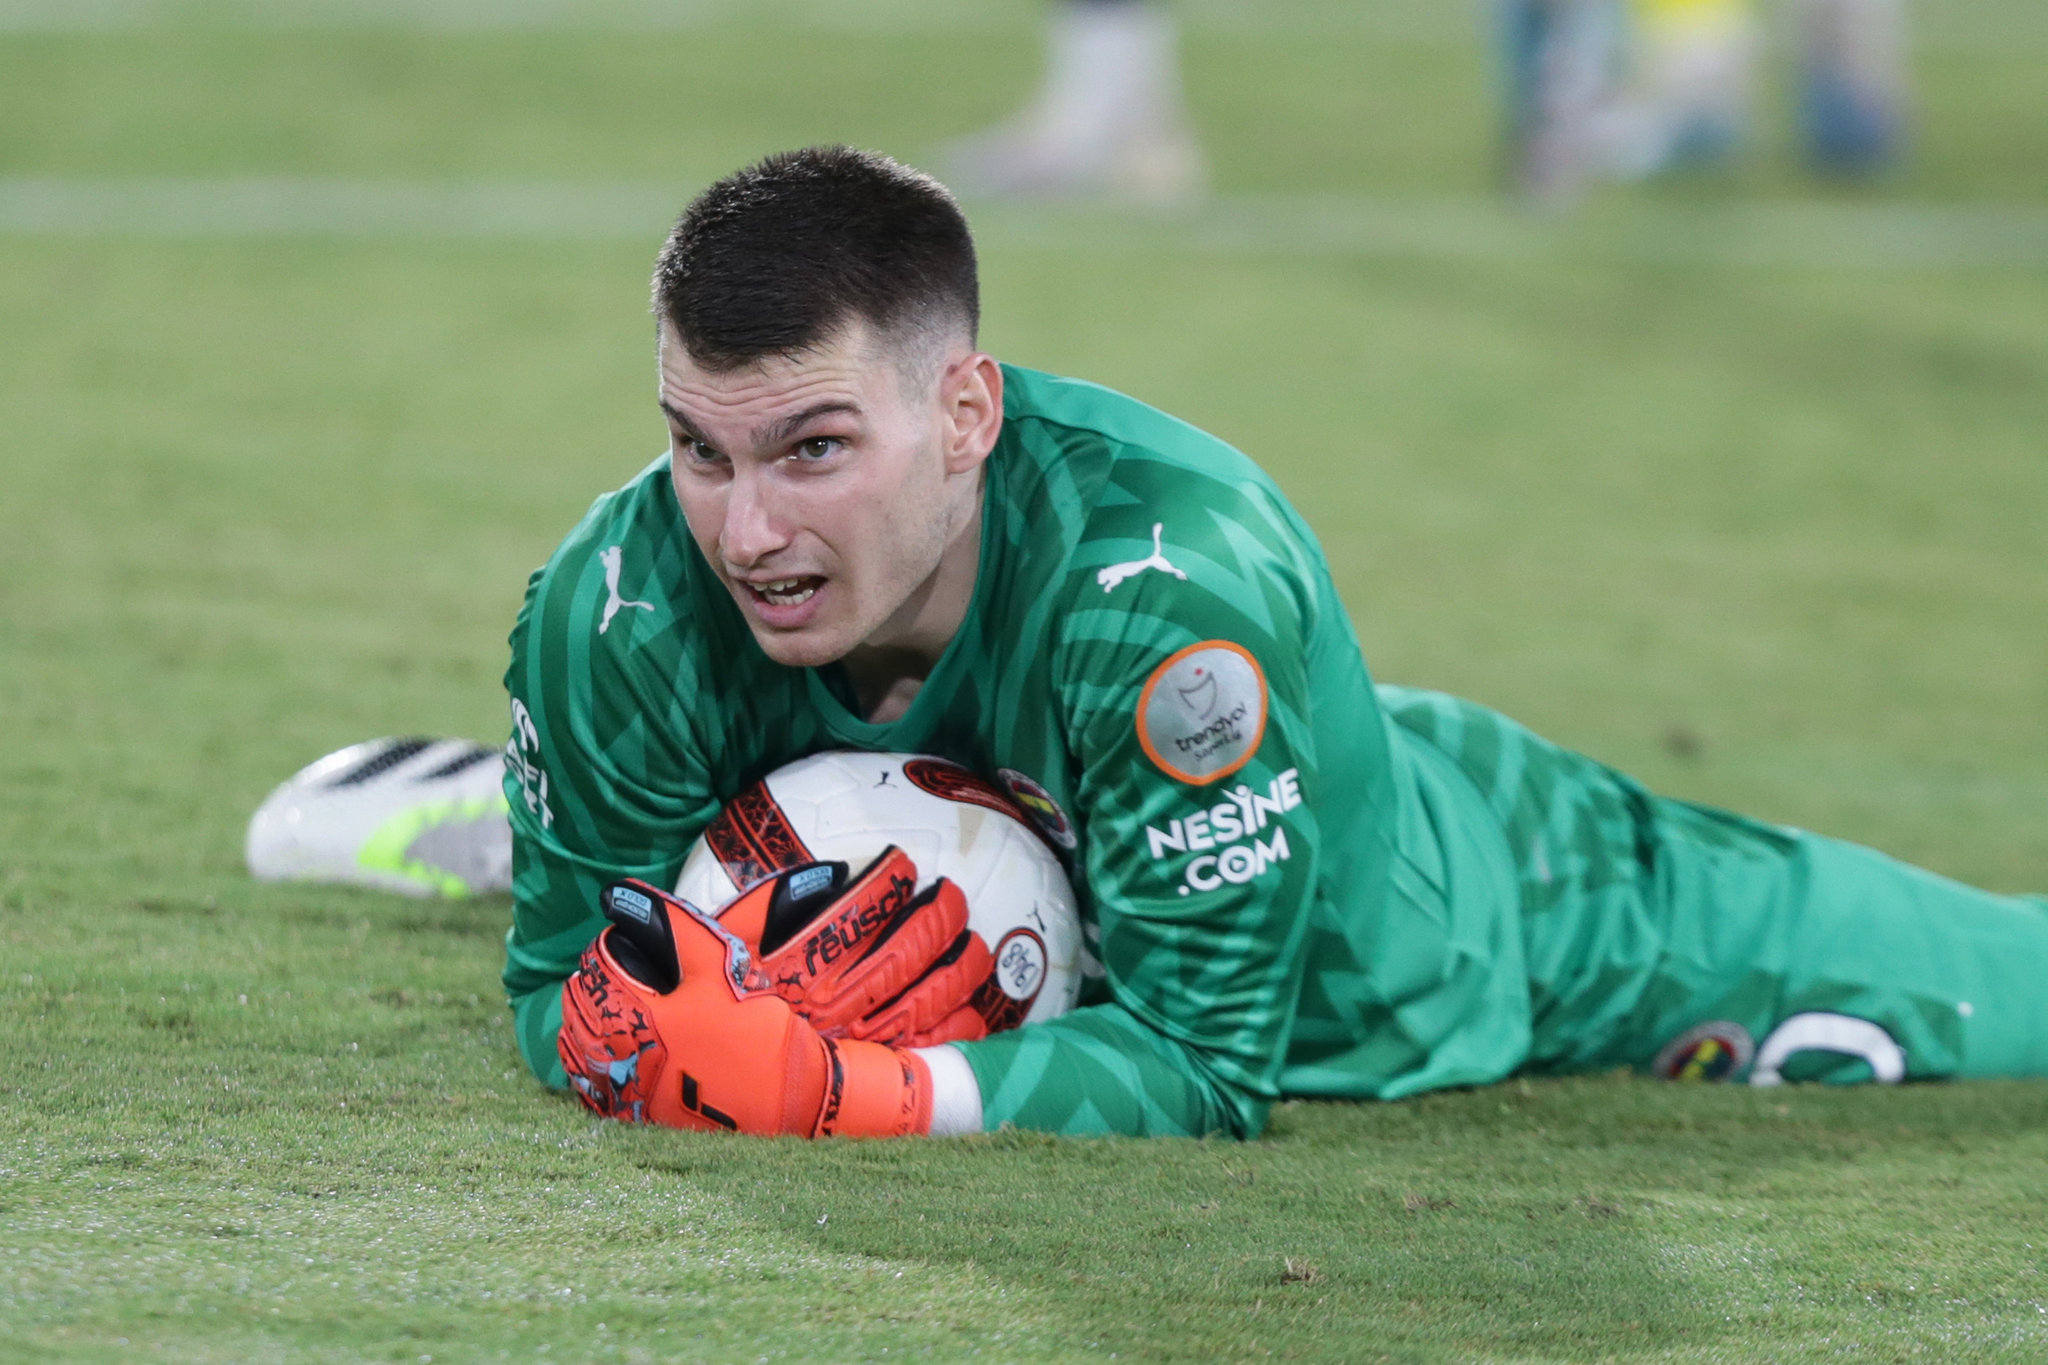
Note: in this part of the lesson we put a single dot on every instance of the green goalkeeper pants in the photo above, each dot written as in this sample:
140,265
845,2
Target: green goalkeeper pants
1683,940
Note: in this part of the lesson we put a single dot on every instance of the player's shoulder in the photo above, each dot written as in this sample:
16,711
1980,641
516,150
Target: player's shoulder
1100,434
642,508
620,580
1155,501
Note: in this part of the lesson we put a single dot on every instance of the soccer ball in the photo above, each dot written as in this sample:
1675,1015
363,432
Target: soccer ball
847,807
422,817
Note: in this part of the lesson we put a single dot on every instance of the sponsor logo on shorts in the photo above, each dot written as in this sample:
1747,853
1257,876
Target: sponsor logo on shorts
1202,713
1235,841
1713,1051
1037,802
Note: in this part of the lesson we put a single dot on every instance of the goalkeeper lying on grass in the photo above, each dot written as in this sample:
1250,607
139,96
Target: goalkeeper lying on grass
868,534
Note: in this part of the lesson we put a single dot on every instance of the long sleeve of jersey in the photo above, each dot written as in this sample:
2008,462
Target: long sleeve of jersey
596,792
1185,682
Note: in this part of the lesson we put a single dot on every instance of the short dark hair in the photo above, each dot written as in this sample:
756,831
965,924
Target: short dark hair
774,259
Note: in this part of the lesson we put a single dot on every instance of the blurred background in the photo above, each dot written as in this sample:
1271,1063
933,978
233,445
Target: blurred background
1672,376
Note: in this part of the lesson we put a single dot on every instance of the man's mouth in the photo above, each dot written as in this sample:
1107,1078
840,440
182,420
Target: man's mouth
786,592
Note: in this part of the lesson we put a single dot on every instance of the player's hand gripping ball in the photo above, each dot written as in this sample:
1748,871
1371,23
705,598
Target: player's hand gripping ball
845,808
798,1015
870,958
670,1019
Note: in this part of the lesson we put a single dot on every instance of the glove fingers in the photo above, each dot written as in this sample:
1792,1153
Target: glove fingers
952,981
704,947
861,917
964,1025
735,1055
937,914
849,985
872,985
610,1049
947,985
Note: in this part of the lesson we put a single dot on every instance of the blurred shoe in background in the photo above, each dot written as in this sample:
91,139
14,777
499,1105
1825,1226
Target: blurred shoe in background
1853,105
1684,103
1108,120
1632,89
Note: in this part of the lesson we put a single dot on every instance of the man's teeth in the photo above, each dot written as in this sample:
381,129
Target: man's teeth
786,592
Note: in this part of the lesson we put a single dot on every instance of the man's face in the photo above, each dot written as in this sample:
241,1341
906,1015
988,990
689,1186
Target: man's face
824,490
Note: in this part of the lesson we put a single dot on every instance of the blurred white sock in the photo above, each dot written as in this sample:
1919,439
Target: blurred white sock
1861,42
1107,121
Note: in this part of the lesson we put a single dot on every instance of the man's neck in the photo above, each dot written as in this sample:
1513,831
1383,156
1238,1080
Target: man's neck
887,673
885,682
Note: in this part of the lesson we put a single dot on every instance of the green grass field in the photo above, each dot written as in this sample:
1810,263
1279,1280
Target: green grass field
1742,486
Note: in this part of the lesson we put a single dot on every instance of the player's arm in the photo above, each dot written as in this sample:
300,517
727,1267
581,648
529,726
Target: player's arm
1188,701
598,790
605,783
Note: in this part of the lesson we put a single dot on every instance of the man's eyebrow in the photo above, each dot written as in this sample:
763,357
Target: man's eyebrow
684,424
782,428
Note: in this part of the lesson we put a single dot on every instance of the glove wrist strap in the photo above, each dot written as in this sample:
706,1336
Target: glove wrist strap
874,1091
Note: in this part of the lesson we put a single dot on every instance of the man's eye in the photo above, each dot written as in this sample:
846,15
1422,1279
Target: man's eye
696,452
817,448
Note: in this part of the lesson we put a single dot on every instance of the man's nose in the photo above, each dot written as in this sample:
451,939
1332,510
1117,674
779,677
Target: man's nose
752,530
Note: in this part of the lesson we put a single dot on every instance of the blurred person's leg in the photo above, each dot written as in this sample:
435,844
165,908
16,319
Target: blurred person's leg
1853,86
1686,102
1560,60
1108,118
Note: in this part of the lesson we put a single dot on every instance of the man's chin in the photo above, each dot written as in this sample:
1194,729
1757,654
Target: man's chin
799,648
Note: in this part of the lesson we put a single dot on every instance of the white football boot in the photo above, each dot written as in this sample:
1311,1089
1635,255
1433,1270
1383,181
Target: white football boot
1108,121
422,817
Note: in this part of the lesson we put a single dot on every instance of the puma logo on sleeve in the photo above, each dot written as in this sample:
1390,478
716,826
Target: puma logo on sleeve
611,557
1117,573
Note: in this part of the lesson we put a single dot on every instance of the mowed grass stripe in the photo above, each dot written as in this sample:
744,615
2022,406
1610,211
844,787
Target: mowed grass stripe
1981,25
1790,232
291,206
1426,20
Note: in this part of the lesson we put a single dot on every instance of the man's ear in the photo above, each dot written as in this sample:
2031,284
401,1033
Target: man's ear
971,399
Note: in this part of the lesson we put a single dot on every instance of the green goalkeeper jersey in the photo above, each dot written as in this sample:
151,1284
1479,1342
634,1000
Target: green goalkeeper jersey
1287,894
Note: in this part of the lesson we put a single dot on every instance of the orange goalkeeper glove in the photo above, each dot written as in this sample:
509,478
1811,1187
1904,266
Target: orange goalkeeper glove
867,958
669,1019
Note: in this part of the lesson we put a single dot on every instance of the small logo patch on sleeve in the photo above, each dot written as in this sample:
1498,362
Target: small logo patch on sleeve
1202,712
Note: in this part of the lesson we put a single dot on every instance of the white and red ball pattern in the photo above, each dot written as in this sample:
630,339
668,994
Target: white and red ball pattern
849,806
